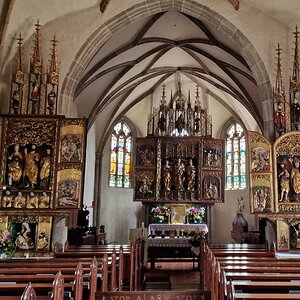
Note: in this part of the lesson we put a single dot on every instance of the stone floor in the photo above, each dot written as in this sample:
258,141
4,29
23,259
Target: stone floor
172,276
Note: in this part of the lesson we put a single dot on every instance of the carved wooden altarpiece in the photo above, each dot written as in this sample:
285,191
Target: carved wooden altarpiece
42,154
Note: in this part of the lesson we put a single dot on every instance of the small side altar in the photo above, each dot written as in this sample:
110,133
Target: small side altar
171,240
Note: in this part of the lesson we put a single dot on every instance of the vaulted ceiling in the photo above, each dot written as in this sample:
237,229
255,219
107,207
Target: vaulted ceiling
164,48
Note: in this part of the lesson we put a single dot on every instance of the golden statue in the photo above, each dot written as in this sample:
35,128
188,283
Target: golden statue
15,161
7,200
20,201
32,201
295,176
31,168
44,201
45,169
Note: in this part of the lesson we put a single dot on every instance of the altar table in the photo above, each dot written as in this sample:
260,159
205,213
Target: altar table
174,246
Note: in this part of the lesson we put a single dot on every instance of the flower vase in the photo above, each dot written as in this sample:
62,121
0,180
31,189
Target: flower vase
3,256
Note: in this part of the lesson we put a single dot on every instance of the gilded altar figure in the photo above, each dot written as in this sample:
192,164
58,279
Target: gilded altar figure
295,176
180,124
191,175
284,178
32,201
15,103
280,119
211,191
179,175
167,176
42,241
7,200
44,200
31,167
51,98
15,165
20,201
45,169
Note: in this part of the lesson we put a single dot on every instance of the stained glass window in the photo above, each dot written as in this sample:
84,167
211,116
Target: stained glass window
235,157
120,156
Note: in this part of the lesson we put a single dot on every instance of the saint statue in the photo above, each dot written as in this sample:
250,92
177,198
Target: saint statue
191,176
279,119
20,201
44,201
179,175
7,200
45,169
295,176
51,101
32,201
167,176
15,166
15,103
31,167
284,179
295,113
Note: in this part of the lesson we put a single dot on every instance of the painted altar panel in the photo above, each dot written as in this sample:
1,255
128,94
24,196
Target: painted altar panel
287,173
261,193
69,186
261,176
283,236
72,141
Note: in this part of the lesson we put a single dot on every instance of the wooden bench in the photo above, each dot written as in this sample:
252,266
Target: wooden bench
215,265
31,292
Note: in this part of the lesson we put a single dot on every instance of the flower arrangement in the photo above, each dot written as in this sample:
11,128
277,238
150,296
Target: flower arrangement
161,214
196,237
195,214
7,245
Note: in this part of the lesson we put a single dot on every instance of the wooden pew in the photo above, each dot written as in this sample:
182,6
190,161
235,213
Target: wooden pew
31,292
275,273
263,296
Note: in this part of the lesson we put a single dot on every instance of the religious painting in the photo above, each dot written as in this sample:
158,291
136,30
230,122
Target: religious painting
260,153
261,193
283,236
43,236
178,213
146,152
69,189
287,171
213,154
24,231
72,140
211,188
145,184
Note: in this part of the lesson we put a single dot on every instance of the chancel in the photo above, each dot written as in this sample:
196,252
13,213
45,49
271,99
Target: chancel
151,118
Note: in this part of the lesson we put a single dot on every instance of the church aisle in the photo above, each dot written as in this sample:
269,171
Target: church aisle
170,275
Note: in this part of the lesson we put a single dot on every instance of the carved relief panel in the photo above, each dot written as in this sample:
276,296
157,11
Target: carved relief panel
35,152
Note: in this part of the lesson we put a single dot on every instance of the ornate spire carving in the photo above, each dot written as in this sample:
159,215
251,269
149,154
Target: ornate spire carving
36,60
18,70
295,86
52,70
295,80
179,117
279,98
